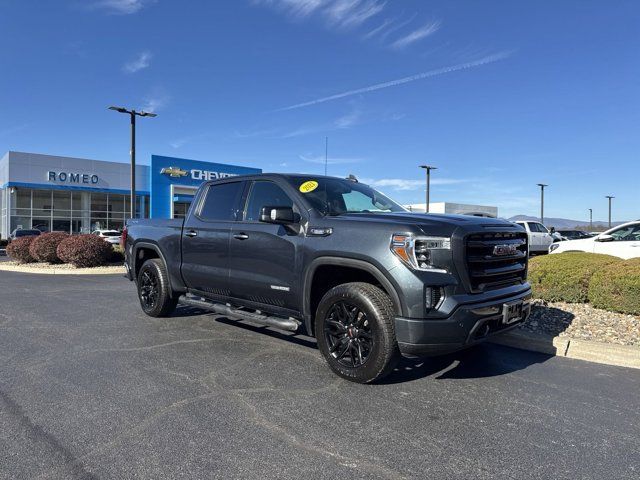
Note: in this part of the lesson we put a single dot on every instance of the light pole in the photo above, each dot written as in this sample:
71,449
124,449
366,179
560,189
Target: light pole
591,219
610,198
428,169
132,113
542,185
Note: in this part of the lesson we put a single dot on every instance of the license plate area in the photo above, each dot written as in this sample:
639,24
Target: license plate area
512,312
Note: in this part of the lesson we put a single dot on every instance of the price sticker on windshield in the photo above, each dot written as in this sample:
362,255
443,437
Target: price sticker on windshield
308,186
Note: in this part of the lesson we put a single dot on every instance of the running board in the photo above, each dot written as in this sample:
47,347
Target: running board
290,324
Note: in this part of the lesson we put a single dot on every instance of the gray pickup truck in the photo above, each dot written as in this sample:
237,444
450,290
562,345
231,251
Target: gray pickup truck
338,260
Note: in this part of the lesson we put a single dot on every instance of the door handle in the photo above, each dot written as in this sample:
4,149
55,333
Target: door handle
241,236
191,233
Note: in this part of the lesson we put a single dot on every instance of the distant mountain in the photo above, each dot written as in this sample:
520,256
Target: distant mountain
563,223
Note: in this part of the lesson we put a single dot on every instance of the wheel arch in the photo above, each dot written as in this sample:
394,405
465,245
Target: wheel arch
143,251
344,264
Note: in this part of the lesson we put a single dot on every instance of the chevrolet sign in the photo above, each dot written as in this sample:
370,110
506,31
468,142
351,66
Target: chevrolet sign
174,172
195,174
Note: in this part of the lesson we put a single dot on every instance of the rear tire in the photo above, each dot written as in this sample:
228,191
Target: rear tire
354,326
154,290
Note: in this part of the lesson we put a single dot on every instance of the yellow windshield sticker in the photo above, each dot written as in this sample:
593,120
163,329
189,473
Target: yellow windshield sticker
308,186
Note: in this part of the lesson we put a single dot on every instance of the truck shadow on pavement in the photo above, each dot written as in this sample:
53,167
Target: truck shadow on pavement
479,361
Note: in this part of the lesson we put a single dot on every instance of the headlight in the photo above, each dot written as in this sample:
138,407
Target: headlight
553,247
422,253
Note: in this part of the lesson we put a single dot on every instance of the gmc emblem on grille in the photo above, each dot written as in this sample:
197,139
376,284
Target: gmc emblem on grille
503,250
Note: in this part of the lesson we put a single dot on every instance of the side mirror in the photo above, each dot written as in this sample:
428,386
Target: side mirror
277,215
604,238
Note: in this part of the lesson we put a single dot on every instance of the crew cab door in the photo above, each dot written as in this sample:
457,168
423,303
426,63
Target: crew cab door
205,237
625,243
264,258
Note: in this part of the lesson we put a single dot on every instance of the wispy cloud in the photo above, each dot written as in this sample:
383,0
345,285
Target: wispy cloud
338,13
121,7
349,119
401,81
142,61
422,32
410,184
319,159
156,100
350,13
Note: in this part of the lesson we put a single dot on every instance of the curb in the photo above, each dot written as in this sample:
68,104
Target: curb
597,352
75,271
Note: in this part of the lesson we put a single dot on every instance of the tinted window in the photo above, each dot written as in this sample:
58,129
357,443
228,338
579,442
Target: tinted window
334,196
627,234
221,201
265,194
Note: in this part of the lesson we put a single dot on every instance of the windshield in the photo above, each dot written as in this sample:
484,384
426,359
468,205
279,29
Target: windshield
335,196
111,234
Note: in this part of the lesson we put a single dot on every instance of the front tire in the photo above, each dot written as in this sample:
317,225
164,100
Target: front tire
154,290
354,326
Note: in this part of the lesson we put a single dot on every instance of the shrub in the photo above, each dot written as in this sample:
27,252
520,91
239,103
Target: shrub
617,287
18,250
84,251
565,277
44,247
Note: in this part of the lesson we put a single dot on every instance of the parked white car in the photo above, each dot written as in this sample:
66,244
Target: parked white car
111,236
622,241
539,236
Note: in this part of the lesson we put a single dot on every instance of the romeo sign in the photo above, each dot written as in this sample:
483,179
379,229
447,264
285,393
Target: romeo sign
68,177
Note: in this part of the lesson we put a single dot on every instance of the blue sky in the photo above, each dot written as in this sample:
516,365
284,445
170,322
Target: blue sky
499,95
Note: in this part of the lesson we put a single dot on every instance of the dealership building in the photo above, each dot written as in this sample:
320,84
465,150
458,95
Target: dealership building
78,195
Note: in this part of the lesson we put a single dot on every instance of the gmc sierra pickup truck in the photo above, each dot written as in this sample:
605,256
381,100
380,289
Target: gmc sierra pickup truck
334,259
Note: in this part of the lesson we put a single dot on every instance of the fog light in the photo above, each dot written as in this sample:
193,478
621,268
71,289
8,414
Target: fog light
434,296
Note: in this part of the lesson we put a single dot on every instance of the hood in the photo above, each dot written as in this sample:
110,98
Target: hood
429,219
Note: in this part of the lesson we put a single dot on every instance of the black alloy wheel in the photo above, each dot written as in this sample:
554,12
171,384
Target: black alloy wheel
354,327
348,334
154,289
149,290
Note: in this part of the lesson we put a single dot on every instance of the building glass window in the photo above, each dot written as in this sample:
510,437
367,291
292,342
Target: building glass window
68,211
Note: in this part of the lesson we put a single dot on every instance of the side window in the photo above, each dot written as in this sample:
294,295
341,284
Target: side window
221,202
627,234
542,228
265,194
532,227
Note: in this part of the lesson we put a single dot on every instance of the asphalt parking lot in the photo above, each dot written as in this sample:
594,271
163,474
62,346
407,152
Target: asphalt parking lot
92,388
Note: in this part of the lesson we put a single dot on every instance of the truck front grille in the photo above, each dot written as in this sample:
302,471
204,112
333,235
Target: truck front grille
496,259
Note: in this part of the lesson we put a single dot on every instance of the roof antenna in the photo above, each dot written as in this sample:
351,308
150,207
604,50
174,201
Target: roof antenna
326,154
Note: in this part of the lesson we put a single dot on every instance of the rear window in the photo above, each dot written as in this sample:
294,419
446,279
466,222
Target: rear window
27,233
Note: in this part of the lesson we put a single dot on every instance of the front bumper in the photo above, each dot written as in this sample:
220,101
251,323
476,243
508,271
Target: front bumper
467,325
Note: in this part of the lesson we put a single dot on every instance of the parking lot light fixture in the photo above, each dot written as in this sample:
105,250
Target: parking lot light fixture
610,197
428,169
132,113
542,185
591,219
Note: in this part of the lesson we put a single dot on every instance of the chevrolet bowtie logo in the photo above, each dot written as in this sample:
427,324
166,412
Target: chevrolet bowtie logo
174,172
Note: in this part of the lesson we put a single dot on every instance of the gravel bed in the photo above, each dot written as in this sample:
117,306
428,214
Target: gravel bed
58,268
582,321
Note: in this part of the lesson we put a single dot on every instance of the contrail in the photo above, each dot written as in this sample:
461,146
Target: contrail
418,76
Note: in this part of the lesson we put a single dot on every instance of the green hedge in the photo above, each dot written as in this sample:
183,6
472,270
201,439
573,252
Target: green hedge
617,287
565,277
